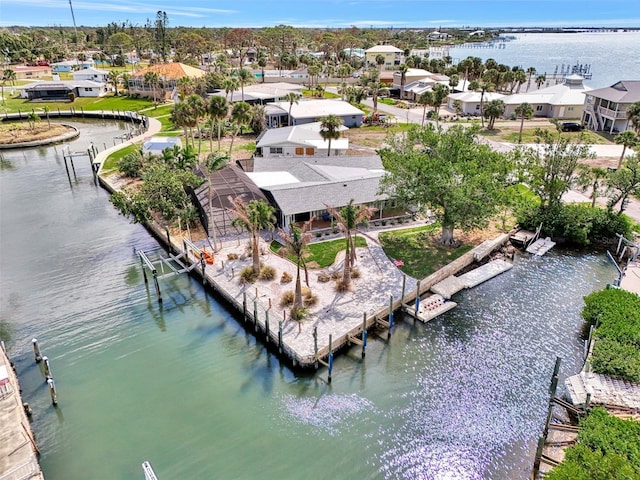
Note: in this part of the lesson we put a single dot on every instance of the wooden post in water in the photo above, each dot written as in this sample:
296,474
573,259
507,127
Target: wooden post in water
364,334
36,350
155,280
166,229
390,313
244,306
47,368
330,359
144,272
52,391
64,156
404,283
280,336
538,457
255,315
417,296
266,327
315,347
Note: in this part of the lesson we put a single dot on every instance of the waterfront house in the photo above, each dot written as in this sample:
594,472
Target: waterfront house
298,141
470,101
24,72
302,188
417,81
562,101
308,111
93,74
261,93
168,75
64,90
393,56
605,109
71,65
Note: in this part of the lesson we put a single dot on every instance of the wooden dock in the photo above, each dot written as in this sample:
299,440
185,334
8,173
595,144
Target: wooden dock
452,285
429,308
540,246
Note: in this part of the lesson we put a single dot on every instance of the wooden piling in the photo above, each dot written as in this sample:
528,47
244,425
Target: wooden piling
364,334
155,280
330,360
52,391
244,306
266,327
47,368
417,296
315,347
36,350
280,336
255,315
404,283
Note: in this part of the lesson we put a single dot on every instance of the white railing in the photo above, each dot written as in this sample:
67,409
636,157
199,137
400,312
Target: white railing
607,112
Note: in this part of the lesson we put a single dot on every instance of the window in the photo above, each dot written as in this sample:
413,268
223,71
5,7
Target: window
569,109
538,108
478,107
275,150
299,151
310,151
87,89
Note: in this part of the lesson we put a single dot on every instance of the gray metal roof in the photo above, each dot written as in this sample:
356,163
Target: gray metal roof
624,91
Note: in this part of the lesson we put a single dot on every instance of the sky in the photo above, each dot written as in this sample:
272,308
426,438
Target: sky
326,13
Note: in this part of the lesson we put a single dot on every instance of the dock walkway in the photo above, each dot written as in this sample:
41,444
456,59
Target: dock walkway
452,285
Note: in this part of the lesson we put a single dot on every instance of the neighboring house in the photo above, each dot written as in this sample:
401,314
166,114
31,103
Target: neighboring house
298,141
302,188
61,90
438,52
168,76
438,35
71,65
418,81
93,74
261,93
354,52
308,111
605,109
562,101
477,33
392,56
470,101
28,73
157,145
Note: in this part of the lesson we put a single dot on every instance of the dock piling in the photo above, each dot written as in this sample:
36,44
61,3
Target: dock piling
364,335
47,368
280,336
255,315
52,391
266,327
36,350
244,306
417,296
315,347
330,360
404,284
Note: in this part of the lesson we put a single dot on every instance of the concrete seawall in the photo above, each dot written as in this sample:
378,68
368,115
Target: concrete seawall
18,450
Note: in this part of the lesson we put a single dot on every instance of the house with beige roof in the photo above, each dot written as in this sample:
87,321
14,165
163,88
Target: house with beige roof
393,56
298,141
168,76
562,101
605,109
25,72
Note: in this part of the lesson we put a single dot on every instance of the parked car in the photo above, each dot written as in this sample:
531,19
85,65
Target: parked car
572,127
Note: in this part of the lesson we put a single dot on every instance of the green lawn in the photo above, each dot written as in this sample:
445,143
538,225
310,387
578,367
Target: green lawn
90,104
418,249
111,163
322,254
510,134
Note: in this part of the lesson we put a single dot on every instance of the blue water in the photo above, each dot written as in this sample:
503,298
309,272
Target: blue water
612,56
185,387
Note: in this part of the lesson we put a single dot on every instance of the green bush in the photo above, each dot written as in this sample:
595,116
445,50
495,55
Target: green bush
267,272
577,224
247,275
608,448
131,165
616,313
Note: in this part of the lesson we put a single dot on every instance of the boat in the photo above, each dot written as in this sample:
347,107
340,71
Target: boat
208,257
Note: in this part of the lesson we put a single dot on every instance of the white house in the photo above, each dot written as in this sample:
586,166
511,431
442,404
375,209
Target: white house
299,141
93,74
605,109
63,90
470,101
417,81
308,111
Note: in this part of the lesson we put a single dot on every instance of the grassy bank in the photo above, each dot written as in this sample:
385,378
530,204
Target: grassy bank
322,254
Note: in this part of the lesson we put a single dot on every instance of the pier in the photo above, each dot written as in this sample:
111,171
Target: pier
18,450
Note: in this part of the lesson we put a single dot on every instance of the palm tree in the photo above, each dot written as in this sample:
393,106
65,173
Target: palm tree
46,109
524,110
373,84
152,79
240,116
292,98
262,62
313,71
330,129
182,117
198,108
628,138
114,77
403,77
125,80
440,92
244,77
633,115
483,87
530,72
540,79
33,118
230,84
425,99
295,243
592,179
380,61
347,219
253,216
9,75
218,109
493,110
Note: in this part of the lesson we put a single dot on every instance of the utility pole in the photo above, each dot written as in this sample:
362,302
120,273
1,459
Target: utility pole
73,17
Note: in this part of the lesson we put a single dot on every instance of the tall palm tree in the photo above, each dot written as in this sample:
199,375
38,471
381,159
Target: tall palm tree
9,75
244,77
218,109
125,80
253,216
540,79
152,79
380,61
330,129
295,243
593,179
182,117
348,218
628,138
440,92
46,109
483,87
198,109
230,84
262,62
425,99
531,71
524,110
114,79
241,114
492,111
403,77
292,98
633,115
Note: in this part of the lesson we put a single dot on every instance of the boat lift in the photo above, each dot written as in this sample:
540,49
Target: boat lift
181,260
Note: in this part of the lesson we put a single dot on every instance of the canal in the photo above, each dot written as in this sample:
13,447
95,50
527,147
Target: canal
463,397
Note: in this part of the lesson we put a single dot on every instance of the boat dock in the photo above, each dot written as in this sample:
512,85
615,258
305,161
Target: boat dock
452,284
18,450
429,308
540,246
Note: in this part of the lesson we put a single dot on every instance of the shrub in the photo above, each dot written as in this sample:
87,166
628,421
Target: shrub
267,272
232,256
131,165
247,275
298,314
287,298
336,274
309,299
355,273
285,278
342,286
324,277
